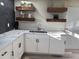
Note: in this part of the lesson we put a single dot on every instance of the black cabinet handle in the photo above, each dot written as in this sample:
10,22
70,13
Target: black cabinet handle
19,45
4,53
37,40
70,38
12,53
64,42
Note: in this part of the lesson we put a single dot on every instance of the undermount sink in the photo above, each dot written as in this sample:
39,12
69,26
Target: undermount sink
39,31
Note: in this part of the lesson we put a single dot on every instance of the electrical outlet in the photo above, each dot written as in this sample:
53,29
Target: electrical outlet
8,24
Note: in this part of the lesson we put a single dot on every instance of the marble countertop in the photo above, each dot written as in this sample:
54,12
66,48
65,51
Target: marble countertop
76,35
56,35
10,36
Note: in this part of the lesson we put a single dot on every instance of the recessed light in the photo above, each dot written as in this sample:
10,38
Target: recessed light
2,3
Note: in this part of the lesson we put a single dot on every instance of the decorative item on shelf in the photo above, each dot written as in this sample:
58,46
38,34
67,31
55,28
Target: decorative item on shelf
21,14
25,15
25,11
23,3
30,4
26,3
29,15
56,16
25,6
39,26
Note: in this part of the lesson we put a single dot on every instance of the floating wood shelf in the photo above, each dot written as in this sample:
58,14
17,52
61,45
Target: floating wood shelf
24,8
24,19
55,9
56,20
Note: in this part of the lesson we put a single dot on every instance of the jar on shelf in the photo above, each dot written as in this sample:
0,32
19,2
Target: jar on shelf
22,14
29,15
23,3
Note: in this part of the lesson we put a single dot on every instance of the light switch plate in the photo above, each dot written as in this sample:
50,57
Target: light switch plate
8,24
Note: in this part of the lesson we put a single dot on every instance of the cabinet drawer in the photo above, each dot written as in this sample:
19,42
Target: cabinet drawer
19,39
28,36
18,47
6,52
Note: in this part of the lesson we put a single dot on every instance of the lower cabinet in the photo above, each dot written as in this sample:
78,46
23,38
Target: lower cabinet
56,46
36,43
18,47
30,44
6,52
42,43
14,50
71,42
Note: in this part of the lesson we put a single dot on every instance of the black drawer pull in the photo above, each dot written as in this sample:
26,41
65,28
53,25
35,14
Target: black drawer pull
4,53
37,40
19,45
64,42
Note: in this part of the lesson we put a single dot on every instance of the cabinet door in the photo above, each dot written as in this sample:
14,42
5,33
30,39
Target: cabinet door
43,44
56,46
6,53
72,42
30,43
18,47
15,49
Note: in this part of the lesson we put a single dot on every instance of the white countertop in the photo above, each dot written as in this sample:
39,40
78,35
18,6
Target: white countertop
76,35
56,35
8,37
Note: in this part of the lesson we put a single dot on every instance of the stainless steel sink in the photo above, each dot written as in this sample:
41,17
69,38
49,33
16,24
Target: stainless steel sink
39,31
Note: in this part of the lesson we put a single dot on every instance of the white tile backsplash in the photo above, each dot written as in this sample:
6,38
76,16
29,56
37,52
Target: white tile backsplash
41,15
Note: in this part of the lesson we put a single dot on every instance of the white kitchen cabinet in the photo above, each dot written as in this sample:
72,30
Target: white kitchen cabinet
18,47
21,46
6,53
72,42
43,44
56,46
36,42
30,43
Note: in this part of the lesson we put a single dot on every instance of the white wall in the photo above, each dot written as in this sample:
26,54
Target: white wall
73,23
73,15
41,15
